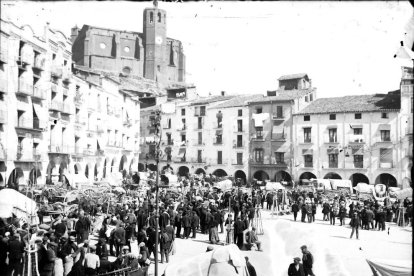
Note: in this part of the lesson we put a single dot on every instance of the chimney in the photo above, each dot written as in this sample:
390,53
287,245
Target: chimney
74,33
223,93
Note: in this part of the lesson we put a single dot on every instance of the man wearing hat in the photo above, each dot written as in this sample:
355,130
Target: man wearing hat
307,260
296,268
15,249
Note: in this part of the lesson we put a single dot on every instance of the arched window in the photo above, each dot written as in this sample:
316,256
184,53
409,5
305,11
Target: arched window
151,17
159,17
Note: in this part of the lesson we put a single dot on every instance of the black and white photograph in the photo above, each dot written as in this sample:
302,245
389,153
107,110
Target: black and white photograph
206,138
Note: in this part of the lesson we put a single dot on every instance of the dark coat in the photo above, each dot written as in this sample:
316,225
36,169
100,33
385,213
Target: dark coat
307,260
119,235
186,221
295,207
16,249
238,227
293,272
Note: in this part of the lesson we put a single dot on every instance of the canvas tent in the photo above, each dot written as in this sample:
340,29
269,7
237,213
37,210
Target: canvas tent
402,194
381,267
322,184
13,202
224,185
274,186
225,260
339,184
364,188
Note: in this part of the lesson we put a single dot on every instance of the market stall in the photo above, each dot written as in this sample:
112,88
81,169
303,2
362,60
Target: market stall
14,203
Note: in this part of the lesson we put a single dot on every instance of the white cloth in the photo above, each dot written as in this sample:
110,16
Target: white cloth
259,118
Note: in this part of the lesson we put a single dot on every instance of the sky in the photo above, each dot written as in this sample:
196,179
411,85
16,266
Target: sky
346,48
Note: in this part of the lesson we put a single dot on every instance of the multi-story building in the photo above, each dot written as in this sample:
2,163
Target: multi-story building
406,113
271,130
23,108
351,137
61,123
150,54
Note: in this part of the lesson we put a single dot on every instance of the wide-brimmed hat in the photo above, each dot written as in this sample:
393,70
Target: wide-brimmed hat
296,259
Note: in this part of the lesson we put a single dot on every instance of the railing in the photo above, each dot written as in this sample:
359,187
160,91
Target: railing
218,142
277,117
29,124
55,148
25,88
56,105
39,62
333,165
39,93
66,108
238,145
25,57
308,164
88,152
357,138
56,70
278,136
307,140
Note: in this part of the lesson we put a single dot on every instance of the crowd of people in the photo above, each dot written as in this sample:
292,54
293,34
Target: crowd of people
82,242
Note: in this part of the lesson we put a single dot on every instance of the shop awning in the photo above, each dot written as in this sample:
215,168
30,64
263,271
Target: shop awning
384,127
41,114
307,152
358,151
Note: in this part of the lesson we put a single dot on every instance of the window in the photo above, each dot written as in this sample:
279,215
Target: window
151,19
310,97
240,112
200,138
169,123
183,138
200,156
258,110
219,138
306,118
385,136
159,17
307,135
411,103
384,115
219,157
358,131
333,160
202,111
182,111
65,62
308,160
200,123
53,56
358,161
239,158
386,156
183,120
169,140
158,68
358,116
259,132
279,111
332,117
239,125
280,157
219,121
239,141
306,99
332,135
258,155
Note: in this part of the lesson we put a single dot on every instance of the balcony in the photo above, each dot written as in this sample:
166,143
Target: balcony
89,152
358,165
258,137
25,88
278,137
29,125
39,93
99,152
385,165
356,139
56,71
277,117
3,54
3,116
66,75
39,63
218,142
308,164
56,105
63,149
25,57
238,145
66,108
55,88
78,99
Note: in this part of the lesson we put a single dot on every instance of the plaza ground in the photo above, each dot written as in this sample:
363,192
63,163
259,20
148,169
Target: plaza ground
334,252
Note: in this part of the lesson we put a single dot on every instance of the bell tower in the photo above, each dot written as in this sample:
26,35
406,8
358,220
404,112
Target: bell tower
155,29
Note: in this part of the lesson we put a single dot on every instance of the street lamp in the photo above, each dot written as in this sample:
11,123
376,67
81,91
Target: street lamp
166,108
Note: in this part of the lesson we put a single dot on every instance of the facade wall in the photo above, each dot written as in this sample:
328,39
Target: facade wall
369,145
57,122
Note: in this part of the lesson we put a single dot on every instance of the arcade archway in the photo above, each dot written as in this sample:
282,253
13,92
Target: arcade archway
183,171
387,179
77,168
34,176
200,171
152,167
358,178
240,174
220,173
261,176
15,178
282,176
332,175
307,176
123,163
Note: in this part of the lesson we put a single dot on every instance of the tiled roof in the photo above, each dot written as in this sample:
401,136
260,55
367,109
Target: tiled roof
358,103
210,99
285,95
293,76
238,101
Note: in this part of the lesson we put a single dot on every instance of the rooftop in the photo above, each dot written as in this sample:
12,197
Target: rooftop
284,95
293,76
357,103
240,100
210,99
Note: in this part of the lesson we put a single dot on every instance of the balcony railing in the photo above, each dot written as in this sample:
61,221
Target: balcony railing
356,139
56,105
56,70
238,145
278,136
25,88
39,93
89,152
39,62
385,165
218,142
56,148
333,164
3,116
277,117
25,57
33,124
3,54
66,76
